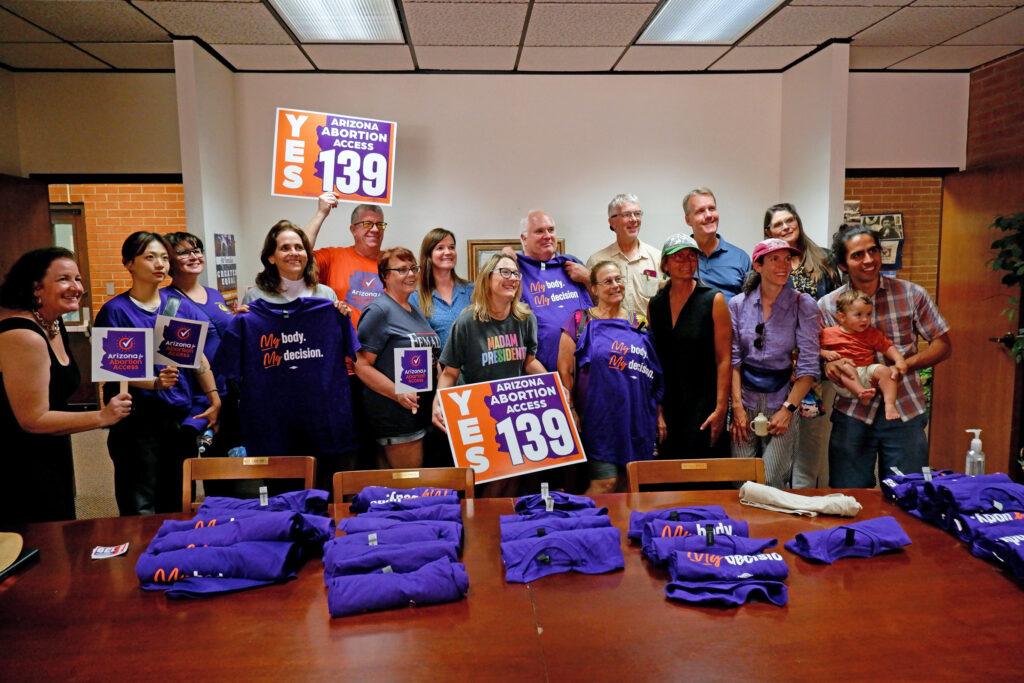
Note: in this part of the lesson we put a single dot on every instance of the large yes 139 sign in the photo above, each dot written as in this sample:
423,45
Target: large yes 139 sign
316,152
510,427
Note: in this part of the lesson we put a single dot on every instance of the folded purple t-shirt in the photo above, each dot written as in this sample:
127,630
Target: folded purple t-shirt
435,582
563,501
318,526
588,551
967,525
533,515
934,499
727,593
693,513
660,528
340,560
698,565
859,539
258,560
903,489
362,523
382,497
311,501
267,526
995,542
446,512
534,528
406,532
662,549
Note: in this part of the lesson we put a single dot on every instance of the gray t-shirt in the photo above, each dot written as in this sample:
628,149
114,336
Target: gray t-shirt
486,351
383,327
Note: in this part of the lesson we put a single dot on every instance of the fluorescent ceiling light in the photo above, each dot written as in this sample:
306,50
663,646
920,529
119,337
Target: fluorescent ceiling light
705,21
342,21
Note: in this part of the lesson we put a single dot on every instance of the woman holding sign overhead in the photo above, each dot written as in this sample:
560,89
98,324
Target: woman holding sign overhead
606,361
169,411
38,375
390,322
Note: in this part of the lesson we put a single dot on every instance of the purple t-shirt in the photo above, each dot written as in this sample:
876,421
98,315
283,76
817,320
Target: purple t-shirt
295,353
514,531
617,389
340,560
552,296
310,501
434,583
859,539
447,512
372,496
268,526
693,513
587,551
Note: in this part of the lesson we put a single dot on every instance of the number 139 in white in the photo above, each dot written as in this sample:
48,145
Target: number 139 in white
373,175
551,431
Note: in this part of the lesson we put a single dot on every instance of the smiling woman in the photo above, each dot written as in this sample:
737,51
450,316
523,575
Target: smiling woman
37,376
289,269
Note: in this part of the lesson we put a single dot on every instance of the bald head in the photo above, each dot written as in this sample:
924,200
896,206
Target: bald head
538,235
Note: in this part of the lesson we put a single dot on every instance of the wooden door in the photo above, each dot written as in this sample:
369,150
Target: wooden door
24,218
976,387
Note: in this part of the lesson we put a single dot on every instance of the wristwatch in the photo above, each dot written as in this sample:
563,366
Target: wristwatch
789,406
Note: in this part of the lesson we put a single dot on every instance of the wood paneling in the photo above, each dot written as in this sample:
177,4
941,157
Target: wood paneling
24,218
975,387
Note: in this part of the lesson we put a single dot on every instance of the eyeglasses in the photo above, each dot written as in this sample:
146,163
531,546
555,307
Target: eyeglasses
789,222
366,225
509,274
759,342
185,253
628,214
404,270
612,281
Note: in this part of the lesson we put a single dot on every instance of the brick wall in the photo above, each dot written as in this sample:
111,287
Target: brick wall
112,212
995,120
920,202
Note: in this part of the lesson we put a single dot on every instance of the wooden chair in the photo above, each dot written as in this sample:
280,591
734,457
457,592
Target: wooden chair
281,467
352,482
686,471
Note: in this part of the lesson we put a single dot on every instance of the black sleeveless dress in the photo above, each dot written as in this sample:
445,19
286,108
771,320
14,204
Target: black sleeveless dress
37,477
687,355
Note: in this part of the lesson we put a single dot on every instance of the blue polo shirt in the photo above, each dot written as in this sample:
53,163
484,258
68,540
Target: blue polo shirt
445,313
725,269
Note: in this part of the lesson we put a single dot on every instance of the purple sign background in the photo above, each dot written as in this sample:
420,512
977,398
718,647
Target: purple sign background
180,344
415,369
124,354
510,398
361,137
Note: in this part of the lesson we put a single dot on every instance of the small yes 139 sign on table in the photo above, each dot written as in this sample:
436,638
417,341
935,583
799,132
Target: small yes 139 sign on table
316,152
510,427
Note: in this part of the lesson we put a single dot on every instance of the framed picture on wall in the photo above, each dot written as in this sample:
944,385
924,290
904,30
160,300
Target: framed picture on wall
889,226
479,251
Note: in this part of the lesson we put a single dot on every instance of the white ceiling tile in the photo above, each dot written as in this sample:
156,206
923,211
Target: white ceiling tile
591,2
959,57
926,25
1005,30
360,57
879,57
97,20
46,56
229,23
133,55
446,23
15,30
586,25
670,57
568,58
264,57
814,25
754,58
458,58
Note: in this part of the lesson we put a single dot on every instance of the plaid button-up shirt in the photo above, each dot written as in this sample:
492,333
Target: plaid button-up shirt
902,311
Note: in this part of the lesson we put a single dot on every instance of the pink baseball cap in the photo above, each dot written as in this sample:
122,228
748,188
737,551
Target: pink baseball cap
771,244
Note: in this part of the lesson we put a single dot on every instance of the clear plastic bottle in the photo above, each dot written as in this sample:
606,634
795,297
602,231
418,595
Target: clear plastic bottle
975,456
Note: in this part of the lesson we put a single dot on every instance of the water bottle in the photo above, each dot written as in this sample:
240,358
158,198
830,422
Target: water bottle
204,441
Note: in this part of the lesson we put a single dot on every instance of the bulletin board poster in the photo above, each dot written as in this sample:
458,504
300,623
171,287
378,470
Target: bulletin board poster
316,152
121,354
511,427
226,267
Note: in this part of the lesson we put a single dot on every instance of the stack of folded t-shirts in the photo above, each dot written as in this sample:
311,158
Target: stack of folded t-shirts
402,549
234,544
866,538
572,536
903,489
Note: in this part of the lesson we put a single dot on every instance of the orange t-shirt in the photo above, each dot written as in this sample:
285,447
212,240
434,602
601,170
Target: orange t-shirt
353,277
859,347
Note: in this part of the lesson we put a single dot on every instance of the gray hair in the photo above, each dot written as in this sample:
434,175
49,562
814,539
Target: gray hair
375,208
696,192
524,222
618,200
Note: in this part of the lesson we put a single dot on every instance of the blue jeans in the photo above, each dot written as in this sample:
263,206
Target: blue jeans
854,445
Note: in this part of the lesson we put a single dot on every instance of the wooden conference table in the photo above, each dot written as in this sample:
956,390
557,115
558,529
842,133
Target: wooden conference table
930,612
